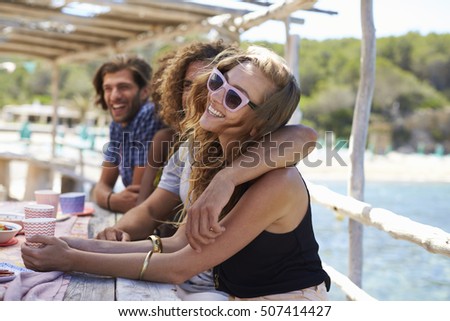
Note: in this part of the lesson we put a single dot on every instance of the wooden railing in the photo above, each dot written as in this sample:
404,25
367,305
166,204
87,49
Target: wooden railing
40,170
433,239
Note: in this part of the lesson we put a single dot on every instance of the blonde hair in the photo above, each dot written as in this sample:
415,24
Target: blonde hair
275,111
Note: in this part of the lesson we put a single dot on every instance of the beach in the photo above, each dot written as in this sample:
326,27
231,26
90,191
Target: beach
319,165
393,166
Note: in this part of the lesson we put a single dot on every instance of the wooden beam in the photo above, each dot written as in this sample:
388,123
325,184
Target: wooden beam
71,37
35,48
140,40
47,42
147,12
278,11
15,12
26,53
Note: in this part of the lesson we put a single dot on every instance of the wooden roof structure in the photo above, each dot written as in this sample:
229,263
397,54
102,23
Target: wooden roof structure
71,31
68,30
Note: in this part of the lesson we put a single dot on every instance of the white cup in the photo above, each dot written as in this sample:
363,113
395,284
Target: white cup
48,197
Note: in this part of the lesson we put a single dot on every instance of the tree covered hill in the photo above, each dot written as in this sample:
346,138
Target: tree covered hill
411,105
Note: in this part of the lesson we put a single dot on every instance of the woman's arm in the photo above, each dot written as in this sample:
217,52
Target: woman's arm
157,155
260,208
140,221
284,147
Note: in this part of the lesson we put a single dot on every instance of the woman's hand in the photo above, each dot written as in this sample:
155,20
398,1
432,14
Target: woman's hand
202,226
53,256
113,234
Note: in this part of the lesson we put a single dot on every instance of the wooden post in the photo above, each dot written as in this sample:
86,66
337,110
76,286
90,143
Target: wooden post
4,177
39,176
55,95
358,136
292,48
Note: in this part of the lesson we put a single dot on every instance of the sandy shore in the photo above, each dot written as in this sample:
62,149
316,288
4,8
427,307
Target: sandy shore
317,166
391,167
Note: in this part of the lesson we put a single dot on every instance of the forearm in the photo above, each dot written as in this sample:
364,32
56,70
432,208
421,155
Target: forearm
126,265
147,184
282,148
102,246
101,194
137,222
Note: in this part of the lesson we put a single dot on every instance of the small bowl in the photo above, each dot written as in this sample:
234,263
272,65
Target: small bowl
11,230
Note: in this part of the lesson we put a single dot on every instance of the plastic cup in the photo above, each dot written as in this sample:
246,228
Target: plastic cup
38,226
48,197
39,210
72,202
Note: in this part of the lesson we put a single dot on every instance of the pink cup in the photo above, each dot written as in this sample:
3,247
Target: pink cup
39,210
38,226
48,197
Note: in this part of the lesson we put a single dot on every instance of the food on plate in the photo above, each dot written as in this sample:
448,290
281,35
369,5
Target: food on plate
4,227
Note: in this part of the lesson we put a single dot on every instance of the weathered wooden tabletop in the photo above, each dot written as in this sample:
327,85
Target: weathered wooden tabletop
85,287
88,287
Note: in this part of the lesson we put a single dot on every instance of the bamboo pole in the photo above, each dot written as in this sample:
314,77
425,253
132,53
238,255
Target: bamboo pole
358,135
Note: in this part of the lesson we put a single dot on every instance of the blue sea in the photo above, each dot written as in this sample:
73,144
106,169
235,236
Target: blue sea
393,270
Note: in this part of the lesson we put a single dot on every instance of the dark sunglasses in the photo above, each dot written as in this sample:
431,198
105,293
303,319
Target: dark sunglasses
234,99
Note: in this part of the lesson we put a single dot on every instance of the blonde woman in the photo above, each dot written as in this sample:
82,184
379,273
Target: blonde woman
268,250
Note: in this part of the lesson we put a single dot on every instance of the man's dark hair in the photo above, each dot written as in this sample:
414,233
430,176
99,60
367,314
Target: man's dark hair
141,70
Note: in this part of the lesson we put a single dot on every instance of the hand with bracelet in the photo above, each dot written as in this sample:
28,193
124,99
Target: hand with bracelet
121,201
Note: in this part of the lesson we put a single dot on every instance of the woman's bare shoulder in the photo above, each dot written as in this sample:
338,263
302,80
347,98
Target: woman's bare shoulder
287,181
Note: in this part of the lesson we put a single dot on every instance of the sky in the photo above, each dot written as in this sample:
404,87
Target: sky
391,17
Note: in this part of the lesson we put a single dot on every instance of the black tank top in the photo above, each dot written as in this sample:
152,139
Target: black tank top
274,263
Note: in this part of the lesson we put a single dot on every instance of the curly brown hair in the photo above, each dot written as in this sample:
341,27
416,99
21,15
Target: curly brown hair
155,87
172,80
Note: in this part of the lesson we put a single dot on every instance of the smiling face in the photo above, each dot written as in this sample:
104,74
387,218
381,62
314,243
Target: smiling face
233,125
123,96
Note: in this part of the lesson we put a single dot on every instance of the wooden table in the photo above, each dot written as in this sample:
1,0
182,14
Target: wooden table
87,287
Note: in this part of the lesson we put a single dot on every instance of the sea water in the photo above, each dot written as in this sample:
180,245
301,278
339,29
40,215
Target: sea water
392,269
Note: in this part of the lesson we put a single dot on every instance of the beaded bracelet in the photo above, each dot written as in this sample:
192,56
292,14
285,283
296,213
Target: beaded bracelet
145,264
157,244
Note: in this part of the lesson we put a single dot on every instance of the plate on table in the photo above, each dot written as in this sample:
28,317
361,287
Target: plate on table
12,241
6,275
12,217
88,210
